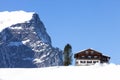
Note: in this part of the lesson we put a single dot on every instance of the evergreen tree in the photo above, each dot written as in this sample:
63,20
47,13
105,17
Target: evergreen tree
67,55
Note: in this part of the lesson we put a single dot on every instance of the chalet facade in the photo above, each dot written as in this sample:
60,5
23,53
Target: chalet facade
90,57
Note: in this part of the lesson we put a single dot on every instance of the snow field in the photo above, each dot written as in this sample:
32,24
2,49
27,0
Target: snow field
97,72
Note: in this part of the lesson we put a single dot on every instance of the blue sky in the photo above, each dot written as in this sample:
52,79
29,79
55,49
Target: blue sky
81,23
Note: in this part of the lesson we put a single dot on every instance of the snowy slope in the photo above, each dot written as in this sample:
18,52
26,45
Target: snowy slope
97,72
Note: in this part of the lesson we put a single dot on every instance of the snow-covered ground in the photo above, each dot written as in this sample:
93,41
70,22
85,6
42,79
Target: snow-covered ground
97,72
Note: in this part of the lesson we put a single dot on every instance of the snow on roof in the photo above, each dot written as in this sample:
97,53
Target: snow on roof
9,18
84,50
88,49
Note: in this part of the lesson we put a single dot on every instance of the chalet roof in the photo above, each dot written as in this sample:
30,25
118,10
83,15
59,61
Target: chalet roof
88,52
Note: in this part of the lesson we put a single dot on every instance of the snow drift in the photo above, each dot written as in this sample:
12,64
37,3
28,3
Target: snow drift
96,72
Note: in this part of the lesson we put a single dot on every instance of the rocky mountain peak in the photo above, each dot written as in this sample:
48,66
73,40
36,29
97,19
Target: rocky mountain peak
27,44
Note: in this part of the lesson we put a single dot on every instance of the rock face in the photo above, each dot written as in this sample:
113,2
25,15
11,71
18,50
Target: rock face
27,45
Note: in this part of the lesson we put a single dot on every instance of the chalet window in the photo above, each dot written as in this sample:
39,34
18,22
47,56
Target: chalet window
89,57
86,52
89,61
91,52
95,61
82,61
95,57
76,62
82,57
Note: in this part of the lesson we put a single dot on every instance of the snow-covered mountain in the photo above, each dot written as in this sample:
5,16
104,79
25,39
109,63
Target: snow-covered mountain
24,42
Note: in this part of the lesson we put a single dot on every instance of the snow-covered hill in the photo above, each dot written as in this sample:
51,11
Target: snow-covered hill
25,43
97,72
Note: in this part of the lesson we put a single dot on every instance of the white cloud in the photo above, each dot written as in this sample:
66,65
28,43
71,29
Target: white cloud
9,18
97,72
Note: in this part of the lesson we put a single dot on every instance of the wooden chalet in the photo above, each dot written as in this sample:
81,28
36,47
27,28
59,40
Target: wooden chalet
90,57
